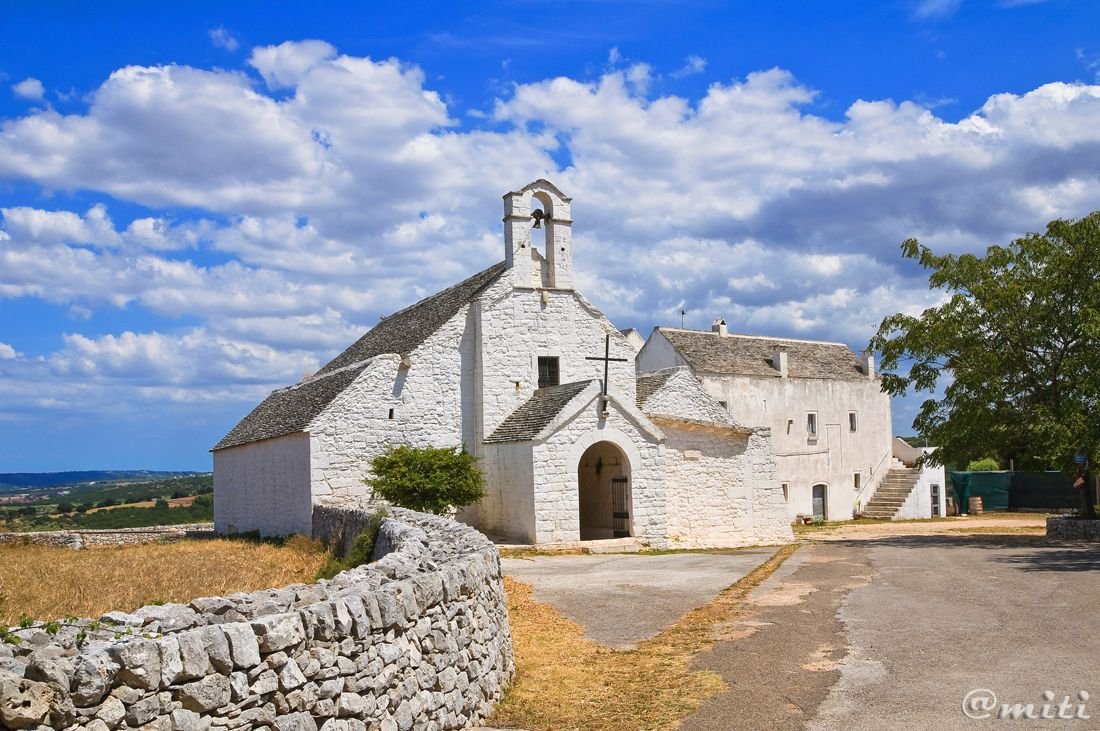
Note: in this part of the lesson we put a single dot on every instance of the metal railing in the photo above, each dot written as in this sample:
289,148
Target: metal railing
872,481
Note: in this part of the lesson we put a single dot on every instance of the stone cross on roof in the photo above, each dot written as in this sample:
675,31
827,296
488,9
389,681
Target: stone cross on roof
606,358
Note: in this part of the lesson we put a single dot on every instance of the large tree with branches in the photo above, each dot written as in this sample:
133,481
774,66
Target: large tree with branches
1014,349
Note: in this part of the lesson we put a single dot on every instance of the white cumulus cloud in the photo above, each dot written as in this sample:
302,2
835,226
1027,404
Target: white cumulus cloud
332,189
29,89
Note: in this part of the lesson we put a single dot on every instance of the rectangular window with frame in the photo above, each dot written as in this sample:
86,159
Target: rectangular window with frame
857,480
853,423
548,371
811,423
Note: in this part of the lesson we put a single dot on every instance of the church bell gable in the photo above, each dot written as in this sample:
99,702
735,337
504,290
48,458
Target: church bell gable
538,236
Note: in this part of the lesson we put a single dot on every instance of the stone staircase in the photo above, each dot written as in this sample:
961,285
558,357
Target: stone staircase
892,492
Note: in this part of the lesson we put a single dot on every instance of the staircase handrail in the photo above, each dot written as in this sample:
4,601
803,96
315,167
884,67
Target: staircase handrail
859,495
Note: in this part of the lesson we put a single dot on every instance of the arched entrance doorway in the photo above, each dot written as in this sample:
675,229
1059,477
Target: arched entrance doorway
603,481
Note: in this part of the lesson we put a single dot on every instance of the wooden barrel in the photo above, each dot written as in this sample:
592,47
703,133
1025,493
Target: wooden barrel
975,506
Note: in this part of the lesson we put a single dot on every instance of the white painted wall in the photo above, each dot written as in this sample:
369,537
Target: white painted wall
507,512
919,502
557,500
518,326
782,404
431,402
264,486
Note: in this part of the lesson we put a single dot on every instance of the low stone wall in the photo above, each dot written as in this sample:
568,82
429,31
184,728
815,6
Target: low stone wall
418,639
1064,528
110,537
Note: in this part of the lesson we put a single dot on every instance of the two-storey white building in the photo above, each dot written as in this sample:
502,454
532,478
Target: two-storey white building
829,419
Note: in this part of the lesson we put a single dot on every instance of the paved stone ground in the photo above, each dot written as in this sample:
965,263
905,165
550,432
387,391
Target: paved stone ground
623,599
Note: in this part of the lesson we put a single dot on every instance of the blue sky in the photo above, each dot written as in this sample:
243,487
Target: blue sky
201,203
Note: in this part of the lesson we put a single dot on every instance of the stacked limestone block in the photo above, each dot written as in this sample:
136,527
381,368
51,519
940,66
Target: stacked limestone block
1073,529
417,639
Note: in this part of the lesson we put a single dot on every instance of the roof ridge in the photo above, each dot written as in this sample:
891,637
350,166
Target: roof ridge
753,337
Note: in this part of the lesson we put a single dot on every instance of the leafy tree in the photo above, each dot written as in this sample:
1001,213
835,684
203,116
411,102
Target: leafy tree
986,464
428,479
1015,347
64,507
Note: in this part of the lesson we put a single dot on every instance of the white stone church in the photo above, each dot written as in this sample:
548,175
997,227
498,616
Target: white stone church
511,362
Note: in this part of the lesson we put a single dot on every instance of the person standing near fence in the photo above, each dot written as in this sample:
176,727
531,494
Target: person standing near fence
1083,482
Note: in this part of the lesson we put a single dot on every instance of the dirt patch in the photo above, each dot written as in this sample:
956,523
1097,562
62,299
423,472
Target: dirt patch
1027,524
565,682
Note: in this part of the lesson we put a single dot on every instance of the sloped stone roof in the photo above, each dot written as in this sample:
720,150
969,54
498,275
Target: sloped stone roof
649,384
746,355
676,394
403,331
536,413
291,409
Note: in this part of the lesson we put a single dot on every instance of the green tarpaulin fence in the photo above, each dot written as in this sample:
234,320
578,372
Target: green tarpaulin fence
1015,490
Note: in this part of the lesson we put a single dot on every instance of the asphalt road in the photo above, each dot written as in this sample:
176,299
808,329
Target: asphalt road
623,599
895,633
889,633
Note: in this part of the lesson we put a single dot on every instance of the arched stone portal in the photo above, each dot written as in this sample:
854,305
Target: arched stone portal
603,481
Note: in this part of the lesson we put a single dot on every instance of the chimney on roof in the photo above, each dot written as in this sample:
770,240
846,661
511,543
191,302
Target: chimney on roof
869,363
719,326
779,362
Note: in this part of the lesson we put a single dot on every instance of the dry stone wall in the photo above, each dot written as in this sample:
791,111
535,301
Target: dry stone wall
1063,528
418,639
110,537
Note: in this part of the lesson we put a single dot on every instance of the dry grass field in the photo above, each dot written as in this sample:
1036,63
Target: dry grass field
566,682
46,583
173,502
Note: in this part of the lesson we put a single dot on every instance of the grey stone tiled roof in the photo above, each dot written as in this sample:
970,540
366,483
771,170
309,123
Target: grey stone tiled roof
650,384
536,413
745,355
402,331
291,409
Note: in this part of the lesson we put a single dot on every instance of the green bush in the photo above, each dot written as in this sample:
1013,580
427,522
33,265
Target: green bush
986,464
429,479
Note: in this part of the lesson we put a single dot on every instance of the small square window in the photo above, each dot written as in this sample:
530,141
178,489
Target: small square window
811,424
852,421
548,371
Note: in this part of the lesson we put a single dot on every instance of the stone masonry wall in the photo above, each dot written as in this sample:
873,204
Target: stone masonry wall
418,639
109,537
1061,528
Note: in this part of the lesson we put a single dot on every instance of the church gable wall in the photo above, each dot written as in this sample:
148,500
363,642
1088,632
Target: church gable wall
427,400
556,495
658,354
264,486
519,328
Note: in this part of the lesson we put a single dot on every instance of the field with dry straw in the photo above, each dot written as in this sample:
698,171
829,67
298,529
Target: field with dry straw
44,582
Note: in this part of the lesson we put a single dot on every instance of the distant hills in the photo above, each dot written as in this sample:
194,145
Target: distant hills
17,481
